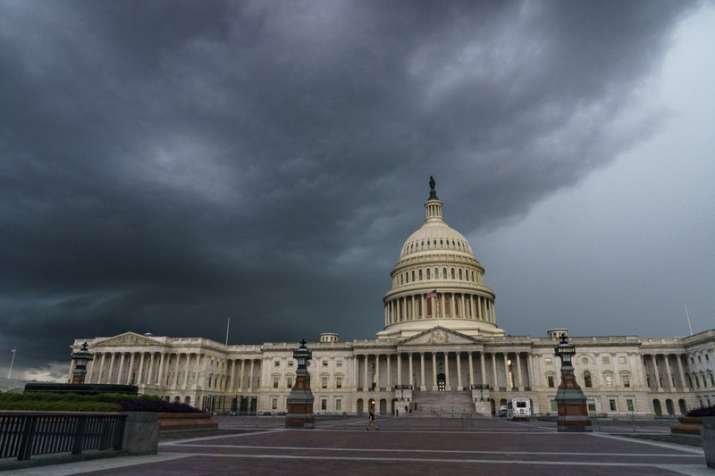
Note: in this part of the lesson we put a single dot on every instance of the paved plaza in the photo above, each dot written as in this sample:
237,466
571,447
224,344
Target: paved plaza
404,446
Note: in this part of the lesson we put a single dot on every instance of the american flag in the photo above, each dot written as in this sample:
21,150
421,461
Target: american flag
432,294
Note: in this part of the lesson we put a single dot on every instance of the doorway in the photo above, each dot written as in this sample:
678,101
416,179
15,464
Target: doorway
441,383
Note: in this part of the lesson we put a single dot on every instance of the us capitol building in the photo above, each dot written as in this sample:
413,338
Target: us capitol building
441,351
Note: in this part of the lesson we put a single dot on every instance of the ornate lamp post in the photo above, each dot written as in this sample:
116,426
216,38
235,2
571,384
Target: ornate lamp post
573,414
300,398
80,358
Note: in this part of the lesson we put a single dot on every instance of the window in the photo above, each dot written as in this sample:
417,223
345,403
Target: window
712,381
550,380
413,275
276,363
626,380
460,274
324,382
339,363
338,405
630,405
420,274
591,405
274,404
290,363
276,380
452,273
289,382
612,404
554,406
428,276
444,273
605,360
325,363
338,382
323,404
587,379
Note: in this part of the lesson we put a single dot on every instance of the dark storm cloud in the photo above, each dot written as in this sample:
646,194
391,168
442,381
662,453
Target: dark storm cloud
164,165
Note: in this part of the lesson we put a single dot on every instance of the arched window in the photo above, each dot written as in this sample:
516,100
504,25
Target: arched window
420,274
413,275
428,273
444,273
587,379
460,274
452,273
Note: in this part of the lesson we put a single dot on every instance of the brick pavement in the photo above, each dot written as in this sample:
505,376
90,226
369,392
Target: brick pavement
412,446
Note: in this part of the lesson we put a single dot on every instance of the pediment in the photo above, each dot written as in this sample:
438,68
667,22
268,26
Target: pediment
438,335
127,339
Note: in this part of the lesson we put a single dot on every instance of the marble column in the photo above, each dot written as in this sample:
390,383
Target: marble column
434,371
423,307
669,375
479,307
366,360
140,377
494,370
464,308
505,356
356,371
131,368
471,370
120,375
388,360
659,387
446,371
160,380
423,385
101,368
186,371
459,372
442,298
409,360
399,369
519,380
483,368
453,310
683,380
377,372
176,370
250,376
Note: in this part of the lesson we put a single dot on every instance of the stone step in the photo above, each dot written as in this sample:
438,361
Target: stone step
451,403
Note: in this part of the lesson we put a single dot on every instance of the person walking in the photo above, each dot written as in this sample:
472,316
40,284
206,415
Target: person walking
371,423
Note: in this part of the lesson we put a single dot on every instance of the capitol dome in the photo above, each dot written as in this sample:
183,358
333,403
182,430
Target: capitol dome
438,282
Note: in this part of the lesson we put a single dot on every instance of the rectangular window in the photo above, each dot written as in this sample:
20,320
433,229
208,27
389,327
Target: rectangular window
550,380
627,381
325,363
274,404
591,406
277,363
612,404
428,273
338,382
630,405
338,405
323,404
289,382
290,363
339,363
324,382
275,382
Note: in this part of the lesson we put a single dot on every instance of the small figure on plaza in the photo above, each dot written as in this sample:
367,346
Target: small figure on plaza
79,364
572,409
300,399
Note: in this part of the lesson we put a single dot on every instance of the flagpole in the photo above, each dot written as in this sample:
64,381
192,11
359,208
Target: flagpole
228,328
690,324
12,363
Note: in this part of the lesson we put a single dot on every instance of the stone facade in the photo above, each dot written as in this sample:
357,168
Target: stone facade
440,338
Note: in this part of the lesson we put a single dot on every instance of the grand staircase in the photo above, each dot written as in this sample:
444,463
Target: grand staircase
443,404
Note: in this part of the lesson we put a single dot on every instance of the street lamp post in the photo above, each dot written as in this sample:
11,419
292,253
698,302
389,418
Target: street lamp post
300,399
573,413
81,358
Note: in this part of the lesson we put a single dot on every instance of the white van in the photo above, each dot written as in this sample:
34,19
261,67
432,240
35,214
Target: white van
518,408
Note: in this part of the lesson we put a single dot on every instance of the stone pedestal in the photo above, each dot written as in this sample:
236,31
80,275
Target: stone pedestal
709,440
300,399
141,433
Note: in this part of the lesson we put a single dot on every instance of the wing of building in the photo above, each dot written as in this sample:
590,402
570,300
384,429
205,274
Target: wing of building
440,352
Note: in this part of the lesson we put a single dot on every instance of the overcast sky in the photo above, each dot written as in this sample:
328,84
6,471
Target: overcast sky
166,165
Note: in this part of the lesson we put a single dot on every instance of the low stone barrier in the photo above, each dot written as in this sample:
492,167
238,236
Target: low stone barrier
186,421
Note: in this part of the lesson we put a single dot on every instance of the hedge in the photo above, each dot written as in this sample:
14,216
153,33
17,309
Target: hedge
103,402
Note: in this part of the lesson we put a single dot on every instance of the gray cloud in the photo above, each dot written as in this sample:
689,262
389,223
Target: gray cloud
167,165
